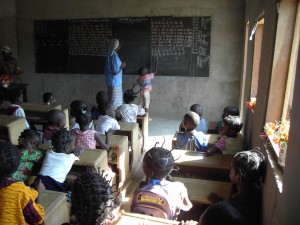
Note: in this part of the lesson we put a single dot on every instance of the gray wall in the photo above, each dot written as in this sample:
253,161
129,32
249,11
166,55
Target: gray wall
171,96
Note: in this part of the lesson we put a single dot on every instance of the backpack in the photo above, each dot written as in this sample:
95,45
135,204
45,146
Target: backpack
153,200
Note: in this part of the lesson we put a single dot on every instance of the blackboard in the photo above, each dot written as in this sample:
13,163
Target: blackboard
171,46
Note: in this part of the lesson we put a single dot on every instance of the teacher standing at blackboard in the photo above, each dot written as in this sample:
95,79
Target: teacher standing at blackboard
113,74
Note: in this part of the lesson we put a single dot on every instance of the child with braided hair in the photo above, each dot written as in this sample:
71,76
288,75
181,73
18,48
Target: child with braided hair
58,162
158,163
93,200
17,201
28,145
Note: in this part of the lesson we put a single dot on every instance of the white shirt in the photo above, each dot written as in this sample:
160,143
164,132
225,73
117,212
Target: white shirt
104,123
20,113
57,165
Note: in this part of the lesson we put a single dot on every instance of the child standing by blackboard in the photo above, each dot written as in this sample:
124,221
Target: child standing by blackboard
146,85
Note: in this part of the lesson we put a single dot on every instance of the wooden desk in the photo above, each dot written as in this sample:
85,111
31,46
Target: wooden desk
143,122
199,190
11,127
94,158
56,207
131,131
212,139
217,165
119,146
134,218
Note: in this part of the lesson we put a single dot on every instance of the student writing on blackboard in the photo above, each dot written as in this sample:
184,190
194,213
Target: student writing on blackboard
113,74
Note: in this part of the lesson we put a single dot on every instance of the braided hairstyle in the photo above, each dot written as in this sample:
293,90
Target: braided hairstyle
26,135
60,139
92,199
9,159
160,161
250,165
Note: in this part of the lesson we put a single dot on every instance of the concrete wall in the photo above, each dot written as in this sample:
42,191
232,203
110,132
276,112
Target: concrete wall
171,96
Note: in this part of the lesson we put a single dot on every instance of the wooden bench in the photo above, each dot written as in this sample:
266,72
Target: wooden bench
143,122
119,146
199,189
134,218
215,167
57,210
11,128
131,130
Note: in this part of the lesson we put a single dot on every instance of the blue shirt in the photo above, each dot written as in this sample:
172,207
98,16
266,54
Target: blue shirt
112,66
202,126
197,142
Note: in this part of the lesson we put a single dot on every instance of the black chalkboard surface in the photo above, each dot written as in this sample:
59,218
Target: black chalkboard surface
171,46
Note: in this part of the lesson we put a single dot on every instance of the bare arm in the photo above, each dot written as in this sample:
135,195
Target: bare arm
101,143
212,151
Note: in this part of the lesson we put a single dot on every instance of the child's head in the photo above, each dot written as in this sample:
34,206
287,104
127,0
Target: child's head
231,126
63,141
248,167
102,98
143,71
221,213
158,163
107,109
77,106
191,121
129,96
9,159
57,118
197,108
230,111
84,119
29,139
15,96
93,200
48,98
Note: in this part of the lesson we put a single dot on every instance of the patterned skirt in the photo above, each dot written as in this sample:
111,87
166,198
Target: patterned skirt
115,96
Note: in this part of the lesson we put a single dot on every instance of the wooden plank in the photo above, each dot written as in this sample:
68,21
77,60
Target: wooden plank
12,127
143,122
199,190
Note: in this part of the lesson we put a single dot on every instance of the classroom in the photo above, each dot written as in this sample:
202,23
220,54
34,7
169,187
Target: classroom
250,55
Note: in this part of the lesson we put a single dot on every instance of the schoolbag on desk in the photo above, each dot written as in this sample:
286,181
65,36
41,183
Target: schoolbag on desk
153,200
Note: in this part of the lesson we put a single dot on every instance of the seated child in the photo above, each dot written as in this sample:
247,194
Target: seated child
231,141
106,121
221,213
17,201
228,111
203,123
77,106
128,112
58,162
246,174
16,98
56,121
48,99
146,86
101,100
86,137
191,139
158,163
93,200
28,145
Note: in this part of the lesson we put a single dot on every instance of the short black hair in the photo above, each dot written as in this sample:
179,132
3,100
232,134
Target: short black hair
251,166
9,159
231,110
193,117
13,95
143,71
102,97
54,116
160,161
47,96
102,109
83,118
92,199
28,133
77,106
197,108
234,123
61,138
221,213
129,96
